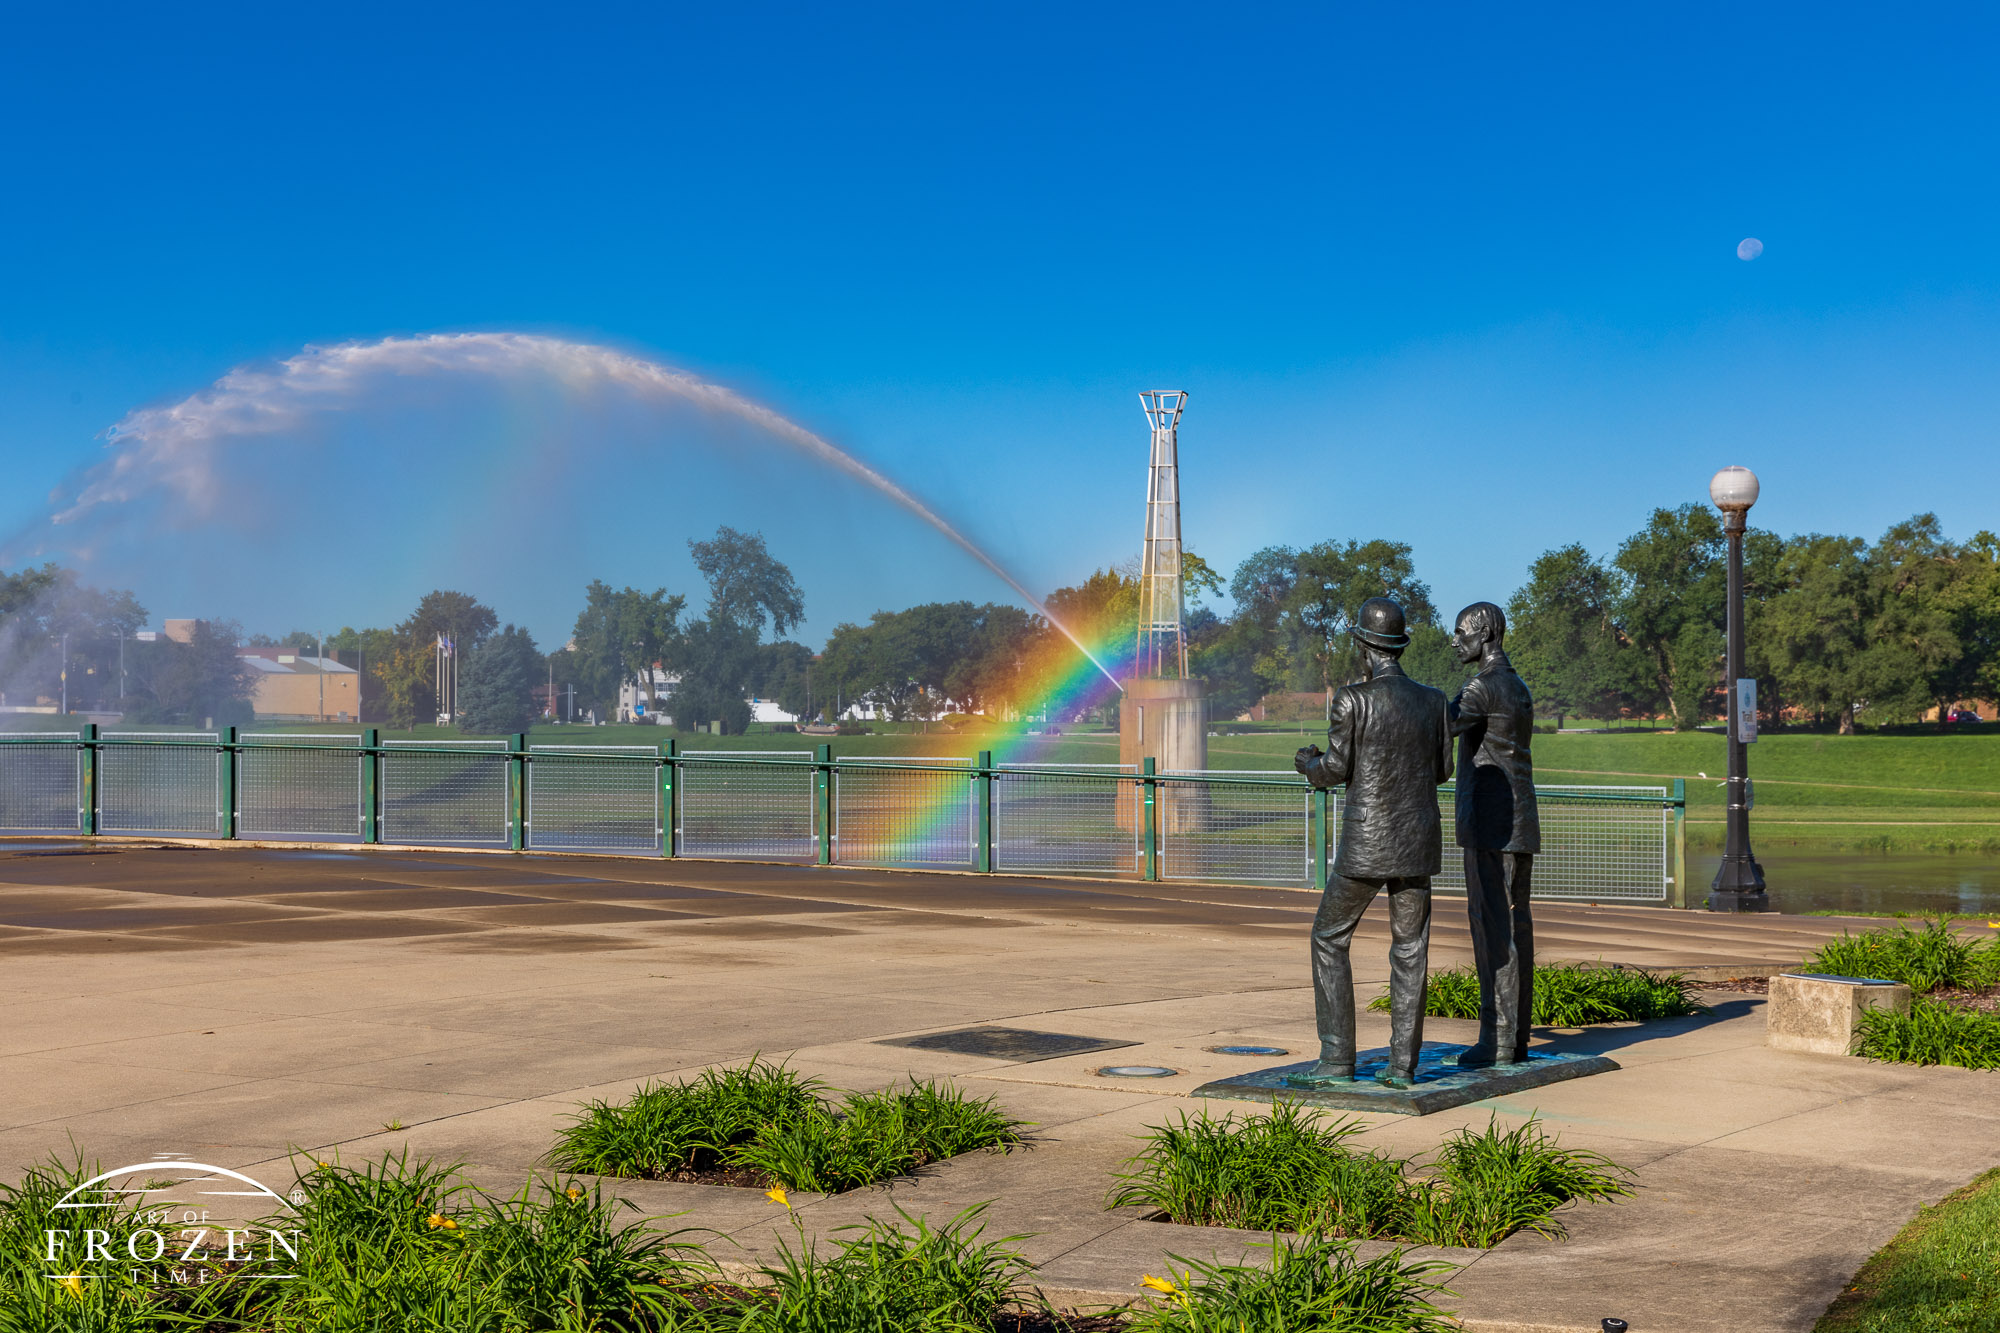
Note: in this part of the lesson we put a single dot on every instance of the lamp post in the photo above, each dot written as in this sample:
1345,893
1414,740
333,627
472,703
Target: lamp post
1739,883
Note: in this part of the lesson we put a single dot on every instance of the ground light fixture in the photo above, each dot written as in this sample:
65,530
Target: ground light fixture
1136,1071
1739,883
1246,1050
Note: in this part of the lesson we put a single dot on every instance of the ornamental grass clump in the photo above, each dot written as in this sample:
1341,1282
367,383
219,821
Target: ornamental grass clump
1932,1033
1293,1170
1569,996
685,1128
772,1126
1933,958
919,1279
1310,1284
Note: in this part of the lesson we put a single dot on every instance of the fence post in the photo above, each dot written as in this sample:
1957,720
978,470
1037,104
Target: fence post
87,779
1322,809
823,802
226,780
668,755
1679,896
1150,823
517,792
371,785
982,806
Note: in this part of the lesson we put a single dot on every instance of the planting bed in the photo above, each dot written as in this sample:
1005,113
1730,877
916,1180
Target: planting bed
404,1244
1293,1170
1568,996
765,1125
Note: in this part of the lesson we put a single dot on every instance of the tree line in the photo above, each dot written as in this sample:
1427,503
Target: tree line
1840,630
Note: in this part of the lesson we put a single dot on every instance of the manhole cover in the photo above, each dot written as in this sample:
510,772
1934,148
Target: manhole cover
1021,1045
1247,1050
1137,1071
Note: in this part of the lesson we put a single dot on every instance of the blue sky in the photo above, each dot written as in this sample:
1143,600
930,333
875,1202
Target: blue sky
1461,276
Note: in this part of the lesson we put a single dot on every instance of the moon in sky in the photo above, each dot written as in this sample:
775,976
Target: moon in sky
1749,248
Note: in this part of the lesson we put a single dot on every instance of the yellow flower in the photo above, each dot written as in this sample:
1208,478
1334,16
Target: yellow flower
73,1283
450,1224
778,1196
1159,1284
434,1221
574,1192
1993,925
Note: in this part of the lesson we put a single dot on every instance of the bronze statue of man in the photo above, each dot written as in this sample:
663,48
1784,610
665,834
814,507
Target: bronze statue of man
1494,718
1389,743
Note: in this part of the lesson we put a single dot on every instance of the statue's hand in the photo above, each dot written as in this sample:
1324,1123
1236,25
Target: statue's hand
1304,760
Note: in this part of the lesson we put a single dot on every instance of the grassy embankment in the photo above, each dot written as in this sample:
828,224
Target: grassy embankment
1941,1273
1902,793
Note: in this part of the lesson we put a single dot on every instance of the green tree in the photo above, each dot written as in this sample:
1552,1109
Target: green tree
719,655
43,606
619,637
1671,611
1811,630
1920,662
200,683
1562,638
497,682
1331,582
1972,600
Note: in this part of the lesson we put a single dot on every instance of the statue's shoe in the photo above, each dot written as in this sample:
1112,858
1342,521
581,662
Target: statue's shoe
1321,1075
1396,1078
1484,1053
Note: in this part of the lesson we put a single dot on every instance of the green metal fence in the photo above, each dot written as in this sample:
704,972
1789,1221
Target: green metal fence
1599,844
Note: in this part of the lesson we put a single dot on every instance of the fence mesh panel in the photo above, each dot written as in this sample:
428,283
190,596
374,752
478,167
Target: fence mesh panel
578,802
1593,849
312,795
889,816
738,811
453,799
40,791
1236,833
1082,821
149,784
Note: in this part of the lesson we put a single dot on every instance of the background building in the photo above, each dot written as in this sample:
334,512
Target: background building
298,687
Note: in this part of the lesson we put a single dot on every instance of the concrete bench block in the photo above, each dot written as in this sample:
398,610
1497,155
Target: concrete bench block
1812,1012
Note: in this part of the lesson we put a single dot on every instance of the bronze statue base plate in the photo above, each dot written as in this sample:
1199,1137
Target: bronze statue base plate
1439,1085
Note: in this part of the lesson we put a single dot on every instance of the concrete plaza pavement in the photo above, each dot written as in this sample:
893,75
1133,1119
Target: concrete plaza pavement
236,1004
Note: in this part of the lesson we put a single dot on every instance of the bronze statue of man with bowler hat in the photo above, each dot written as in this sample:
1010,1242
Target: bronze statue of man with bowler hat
1389,744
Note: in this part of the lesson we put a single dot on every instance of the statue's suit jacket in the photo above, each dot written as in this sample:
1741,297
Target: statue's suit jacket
1390,744
1494,716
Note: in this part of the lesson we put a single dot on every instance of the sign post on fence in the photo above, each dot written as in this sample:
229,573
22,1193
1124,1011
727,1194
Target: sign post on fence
982,810
668,754
225,782
1149,827
517,792
86,814
371,786
1678,896
823,803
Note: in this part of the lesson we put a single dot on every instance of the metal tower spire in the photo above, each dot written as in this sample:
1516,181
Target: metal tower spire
1162,642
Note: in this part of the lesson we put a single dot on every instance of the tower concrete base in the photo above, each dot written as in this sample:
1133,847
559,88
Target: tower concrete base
1167,721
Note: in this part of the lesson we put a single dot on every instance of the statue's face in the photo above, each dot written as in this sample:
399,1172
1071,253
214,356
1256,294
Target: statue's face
1469,640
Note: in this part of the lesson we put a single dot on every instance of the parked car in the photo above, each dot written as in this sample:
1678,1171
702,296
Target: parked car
1961,715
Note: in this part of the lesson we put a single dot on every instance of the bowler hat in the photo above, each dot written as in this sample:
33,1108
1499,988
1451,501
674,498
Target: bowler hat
1381,623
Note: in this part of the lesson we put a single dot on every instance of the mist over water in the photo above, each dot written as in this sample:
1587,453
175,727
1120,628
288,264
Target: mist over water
177,465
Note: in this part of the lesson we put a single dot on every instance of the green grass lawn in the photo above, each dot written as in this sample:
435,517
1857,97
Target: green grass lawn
1941,1274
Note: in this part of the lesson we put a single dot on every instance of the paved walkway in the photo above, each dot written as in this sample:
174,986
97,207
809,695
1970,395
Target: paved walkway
232,1004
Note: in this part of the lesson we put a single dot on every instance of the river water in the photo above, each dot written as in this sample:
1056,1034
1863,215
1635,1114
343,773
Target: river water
1805,881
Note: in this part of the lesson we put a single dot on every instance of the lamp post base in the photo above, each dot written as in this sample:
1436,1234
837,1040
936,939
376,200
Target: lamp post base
1738,887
